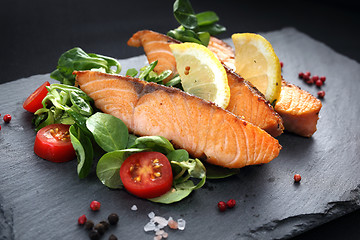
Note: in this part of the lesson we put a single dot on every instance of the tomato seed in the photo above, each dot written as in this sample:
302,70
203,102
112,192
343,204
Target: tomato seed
231,203
222,206
82,220
321,94
7,118
297,178
95,205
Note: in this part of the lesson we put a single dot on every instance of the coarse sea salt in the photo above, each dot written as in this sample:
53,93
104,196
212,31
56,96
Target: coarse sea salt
181,224
134,208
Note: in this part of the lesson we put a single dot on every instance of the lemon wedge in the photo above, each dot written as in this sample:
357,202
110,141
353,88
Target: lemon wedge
256,62
201,73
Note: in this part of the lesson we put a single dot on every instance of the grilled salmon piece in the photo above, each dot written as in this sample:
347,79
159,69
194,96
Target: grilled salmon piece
206,131
223,51
298,108
250,104
157,48
245,101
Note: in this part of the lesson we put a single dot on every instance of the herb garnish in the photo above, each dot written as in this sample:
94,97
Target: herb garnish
194,27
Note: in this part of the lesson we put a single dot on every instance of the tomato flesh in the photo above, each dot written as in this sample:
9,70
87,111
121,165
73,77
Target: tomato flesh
53,143
147,174
34,101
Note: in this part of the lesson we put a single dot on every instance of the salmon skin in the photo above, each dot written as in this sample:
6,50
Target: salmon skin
245,100
206,131
298,108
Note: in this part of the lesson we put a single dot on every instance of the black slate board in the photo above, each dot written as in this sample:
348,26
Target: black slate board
42,200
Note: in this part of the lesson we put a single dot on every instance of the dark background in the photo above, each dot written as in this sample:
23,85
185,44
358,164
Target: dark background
35,33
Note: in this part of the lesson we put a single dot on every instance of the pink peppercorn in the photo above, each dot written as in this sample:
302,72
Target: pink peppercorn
281,64
319,83
301,74
222,206
323,78
95,205
310,81
315,78
7,118
231,203
297,178
321,94
82,220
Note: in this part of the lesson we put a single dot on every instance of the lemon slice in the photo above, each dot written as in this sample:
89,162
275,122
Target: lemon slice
256,62
201,73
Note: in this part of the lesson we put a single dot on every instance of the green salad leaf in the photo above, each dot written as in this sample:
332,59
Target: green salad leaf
78,59
109,132
194,27
84,150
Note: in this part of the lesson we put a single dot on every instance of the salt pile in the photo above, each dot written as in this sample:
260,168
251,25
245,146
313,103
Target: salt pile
158,223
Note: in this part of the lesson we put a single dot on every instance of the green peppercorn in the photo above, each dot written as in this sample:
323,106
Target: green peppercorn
113,218
113,237
94,235
89,225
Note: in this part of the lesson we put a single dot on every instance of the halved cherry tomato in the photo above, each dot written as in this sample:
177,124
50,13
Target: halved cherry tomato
53,143
146,174
33,102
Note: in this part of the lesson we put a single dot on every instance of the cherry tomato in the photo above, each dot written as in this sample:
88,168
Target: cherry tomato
33,102
146,174
53,143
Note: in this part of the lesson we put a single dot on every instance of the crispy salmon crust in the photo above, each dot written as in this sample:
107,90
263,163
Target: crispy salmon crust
206,131
245,100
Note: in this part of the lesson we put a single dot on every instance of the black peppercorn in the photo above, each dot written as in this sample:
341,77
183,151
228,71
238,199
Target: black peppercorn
94,235
113,237
106,225
100,228
113,218
89,225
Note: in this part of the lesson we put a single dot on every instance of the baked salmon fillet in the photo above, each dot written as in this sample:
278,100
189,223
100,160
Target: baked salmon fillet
206,131
298,108
245,100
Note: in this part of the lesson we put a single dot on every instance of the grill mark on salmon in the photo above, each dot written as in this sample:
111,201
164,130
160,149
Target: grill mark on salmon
245,100
298,108
151,109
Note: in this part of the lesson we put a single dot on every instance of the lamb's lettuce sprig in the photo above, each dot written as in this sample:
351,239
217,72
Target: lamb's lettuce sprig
78,59
194,27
